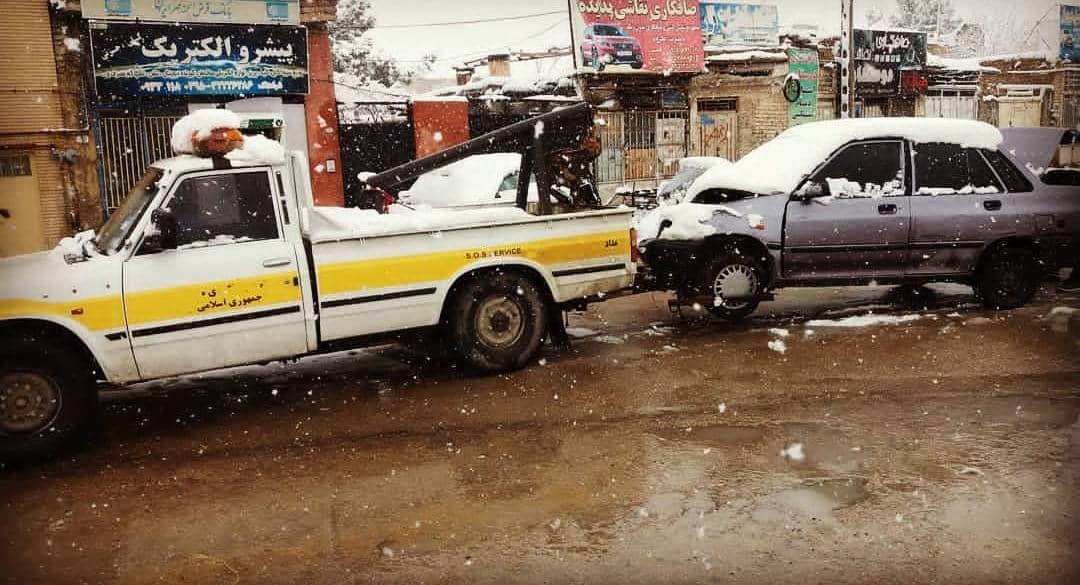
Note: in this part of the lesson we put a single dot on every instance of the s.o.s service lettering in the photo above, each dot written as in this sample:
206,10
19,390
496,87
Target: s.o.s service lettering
496,253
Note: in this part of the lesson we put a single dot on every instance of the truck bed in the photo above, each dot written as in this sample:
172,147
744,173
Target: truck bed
371,278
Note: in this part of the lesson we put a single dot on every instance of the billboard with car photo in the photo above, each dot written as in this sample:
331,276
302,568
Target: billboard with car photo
626,36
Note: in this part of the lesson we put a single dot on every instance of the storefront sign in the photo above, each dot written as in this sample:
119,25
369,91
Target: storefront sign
157,59
234,11
880,56
624,36
803,84
1070,33
750,24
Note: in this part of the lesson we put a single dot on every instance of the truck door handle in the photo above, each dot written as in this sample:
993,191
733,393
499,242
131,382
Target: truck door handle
887,209
992,205
275,262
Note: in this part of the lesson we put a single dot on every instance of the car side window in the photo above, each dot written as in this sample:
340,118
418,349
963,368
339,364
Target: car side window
1015,181
865,169
224,208
509,182
948,169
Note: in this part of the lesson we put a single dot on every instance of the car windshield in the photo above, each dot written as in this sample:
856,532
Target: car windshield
608,31
116,230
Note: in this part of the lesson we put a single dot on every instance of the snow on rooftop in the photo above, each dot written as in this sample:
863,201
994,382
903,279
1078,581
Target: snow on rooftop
769,56
778,166
969,64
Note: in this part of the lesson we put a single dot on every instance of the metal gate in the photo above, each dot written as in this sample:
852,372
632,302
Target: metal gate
957,105
641,146
128,146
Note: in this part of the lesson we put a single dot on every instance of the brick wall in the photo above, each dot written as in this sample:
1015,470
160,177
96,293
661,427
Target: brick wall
762,111
1024,72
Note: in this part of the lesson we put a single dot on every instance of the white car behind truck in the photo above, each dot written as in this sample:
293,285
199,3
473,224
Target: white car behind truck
217,262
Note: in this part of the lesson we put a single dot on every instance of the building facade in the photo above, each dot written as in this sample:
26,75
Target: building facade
90,90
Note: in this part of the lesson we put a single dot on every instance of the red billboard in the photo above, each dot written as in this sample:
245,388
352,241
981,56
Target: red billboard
626,36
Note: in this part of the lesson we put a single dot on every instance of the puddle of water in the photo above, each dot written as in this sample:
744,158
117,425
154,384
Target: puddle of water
842,492
714,434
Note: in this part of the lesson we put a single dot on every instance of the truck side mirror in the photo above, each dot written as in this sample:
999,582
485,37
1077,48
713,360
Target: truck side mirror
167,231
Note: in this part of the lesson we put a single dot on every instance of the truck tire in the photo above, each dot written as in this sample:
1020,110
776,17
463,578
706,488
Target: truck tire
730,271
1007,278
47,400
495,321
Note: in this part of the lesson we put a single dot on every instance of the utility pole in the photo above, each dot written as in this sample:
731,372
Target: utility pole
846,59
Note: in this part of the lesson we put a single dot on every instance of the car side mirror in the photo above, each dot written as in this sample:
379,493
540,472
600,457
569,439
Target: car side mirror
165,232
810,190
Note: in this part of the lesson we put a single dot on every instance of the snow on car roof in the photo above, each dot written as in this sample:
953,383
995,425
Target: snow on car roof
780,164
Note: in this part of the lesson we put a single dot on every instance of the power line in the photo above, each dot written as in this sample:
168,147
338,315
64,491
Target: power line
484,52
476,21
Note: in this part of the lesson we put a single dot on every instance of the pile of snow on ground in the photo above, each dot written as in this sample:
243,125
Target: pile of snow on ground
864,320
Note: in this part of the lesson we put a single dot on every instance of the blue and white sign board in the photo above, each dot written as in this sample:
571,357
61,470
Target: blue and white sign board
726,23
234,11
1070,33
198,59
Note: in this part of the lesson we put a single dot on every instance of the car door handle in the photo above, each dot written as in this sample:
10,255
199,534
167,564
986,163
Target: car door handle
887,209
992,205
275,262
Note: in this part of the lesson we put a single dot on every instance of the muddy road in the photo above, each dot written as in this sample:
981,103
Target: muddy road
940,443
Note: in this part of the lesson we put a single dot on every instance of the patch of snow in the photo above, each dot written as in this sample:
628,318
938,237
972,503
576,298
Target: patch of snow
258,149
215,241
721,408
794,452
779,332
580,332
473,180
778,346
74,45
864,320
612,339
689,221
340,223
198,125
1064,311
75,247
756,221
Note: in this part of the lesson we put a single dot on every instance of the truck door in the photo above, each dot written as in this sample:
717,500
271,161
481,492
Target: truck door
855,225
229,293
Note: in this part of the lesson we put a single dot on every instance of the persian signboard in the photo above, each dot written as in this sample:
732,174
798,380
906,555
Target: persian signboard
724,23
624,36
803,82
1070,33
157,59
881,55
234,11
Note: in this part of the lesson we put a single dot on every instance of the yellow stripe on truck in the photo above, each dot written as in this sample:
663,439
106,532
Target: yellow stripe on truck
405,270
95,313
212,298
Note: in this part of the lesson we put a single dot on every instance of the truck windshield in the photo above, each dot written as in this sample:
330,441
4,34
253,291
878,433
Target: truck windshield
116,230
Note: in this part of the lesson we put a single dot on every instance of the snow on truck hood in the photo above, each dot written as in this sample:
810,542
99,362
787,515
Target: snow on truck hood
778,166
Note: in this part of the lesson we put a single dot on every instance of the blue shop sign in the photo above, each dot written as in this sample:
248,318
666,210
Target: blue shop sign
198,59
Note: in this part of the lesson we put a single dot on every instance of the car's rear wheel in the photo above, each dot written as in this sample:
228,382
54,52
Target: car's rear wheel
496,321
47,400
735,283
1008,277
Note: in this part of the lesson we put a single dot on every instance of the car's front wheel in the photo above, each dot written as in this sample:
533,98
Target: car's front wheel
735,283
1007,278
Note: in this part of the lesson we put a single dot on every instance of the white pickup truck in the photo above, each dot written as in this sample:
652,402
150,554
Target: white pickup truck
217,262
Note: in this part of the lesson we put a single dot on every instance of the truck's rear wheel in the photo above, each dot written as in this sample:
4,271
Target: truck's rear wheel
495,321
47,401
734,281
1007,278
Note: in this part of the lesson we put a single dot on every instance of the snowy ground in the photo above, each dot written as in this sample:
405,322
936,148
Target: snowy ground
877,447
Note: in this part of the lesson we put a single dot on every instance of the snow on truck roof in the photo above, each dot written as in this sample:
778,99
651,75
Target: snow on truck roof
778,166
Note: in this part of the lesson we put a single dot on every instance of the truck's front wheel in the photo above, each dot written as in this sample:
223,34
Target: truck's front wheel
47,401
495,321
